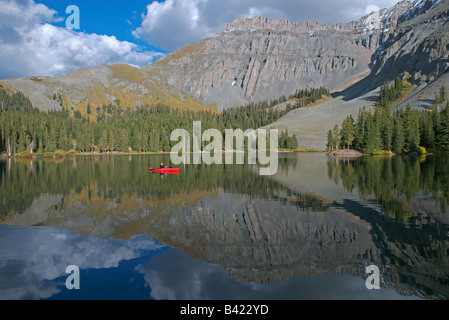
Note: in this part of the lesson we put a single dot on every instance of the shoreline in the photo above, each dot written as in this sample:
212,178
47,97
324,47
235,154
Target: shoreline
358,154
62,154
336,153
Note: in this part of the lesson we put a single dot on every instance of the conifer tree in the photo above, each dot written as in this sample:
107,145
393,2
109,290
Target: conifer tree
398,142
347,132
360,128
102,144
154,142
372,136
292,142
443,130
336,135
427,132
330,140
412,130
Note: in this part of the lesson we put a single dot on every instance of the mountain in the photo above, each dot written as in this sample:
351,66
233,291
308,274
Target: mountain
260,58
415,49
418,51
102,85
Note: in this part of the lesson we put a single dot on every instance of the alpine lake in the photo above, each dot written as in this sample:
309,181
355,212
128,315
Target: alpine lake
224,232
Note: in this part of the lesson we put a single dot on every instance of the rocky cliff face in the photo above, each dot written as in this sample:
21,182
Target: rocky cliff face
261,58
418,49
413,45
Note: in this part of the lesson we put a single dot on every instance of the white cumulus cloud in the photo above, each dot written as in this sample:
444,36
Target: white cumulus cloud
31,45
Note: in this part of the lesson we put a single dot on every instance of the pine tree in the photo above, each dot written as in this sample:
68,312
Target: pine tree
426,131
292,142
154,142
336,135
64,139
111,140
123,142
165,141
372,136
387,132
21,143
347,133
103,143
411,129
443,130
398,85
384,127
360,128
283,139
330,140
398,136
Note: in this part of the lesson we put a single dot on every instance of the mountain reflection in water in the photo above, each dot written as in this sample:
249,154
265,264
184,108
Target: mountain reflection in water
224,232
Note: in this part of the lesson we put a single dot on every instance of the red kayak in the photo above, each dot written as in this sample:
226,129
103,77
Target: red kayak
164,170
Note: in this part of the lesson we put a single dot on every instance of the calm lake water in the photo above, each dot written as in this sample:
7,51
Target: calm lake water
224,231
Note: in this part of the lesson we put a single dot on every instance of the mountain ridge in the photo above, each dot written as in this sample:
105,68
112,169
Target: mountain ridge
260,58
101,85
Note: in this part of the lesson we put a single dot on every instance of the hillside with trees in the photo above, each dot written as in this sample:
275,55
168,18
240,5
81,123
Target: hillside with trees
26,131
402,131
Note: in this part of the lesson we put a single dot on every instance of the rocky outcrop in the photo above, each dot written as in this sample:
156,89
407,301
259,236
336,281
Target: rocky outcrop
257,59
260,58
418,49
414,46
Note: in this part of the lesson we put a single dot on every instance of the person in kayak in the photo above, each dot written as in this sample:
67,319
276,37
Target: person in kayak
162,166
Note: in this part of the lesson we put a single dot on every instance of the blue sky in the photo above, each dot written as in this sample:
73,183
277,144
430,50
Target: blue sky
112,18
34,40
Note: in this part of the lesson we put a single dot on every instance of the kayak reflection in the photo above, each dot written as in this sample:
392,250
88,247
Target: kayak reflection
163,174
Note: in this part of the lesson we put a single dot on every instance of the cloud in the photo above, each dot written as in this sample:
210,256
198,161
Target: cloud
35,259
172,24
31,45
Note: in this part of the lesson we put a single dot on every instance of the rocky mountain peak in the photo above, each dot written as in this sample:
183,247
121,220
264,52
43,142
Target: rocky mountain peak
262,23
261,58
418,49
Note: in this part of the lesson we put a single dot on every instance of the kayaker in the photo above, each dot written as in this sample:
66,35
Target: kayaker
162,166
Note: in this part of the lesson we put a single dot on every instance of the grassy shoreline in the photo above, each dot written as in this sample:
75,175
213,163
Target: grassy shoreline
358,153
